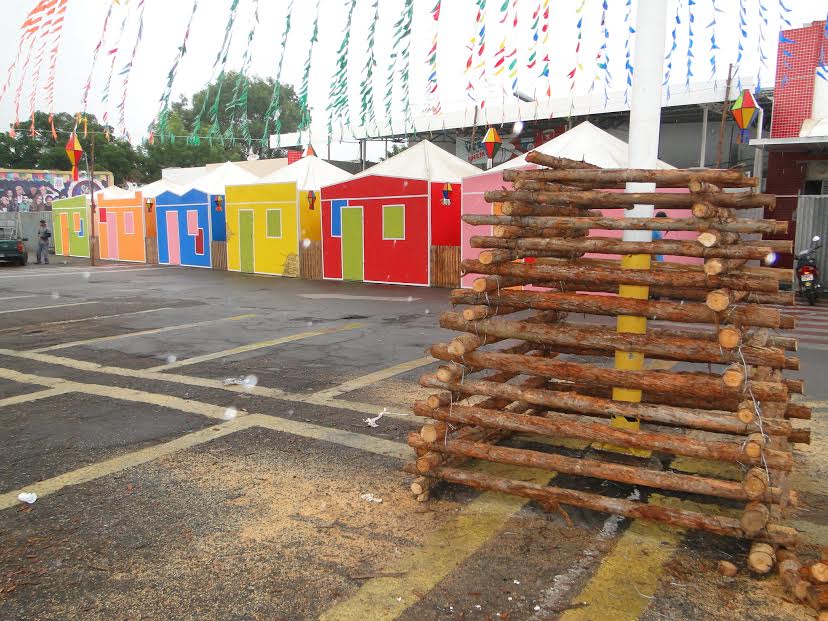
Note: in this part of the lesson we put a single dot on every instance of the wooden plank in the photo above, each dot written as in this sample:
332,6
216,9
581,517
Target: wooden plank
218,255
445,266
310,260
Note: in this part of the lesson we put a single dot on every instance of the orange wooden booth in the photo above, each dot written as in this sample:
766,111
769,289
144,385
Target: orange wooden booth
124,223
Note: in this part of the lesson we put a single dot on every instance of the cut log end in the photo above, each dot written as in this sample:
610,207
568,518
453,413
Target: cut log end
755,518
734,376
726,568
761,558
729,337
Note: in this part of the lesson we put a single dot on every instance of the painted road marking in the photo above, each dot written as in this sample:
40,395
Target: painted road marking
342,296
33,396
384,599
39,308
95,318
358,441
373,378
117,464
117,337
253,347
92,270
191,380
19,297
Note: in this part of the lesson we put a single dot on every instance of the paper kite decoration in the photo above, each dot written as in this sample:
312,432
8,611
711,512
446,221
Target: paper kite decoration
311,199
491,142
447,194
745,110
75,152
309,151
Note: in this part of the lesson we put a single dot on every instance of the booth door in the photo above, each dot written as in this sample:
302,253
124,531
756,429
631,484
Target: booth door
64,234
112,235
246,241
352,248
173,244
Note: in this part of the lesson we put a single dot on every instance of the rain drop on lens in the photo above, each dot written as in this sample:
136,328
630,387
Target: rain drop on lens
770,259
55,295
230,413
250,382
86,275
306,243
517,128
171,358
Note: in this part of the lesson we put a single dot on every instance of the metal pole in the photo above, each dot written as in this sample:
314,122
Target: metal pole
759,153
90,175
725,106
703,151
645,127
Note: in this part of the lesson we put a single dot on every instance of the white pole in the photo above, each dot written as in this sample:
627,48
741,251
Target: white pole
759,151
703,151
645,108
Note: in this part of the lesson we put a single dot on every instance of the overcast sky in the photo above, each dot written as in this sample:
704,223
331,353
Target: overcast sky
164,22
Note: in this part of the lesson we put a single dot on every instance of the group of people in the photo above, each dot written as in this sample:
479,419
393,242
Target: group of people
37,199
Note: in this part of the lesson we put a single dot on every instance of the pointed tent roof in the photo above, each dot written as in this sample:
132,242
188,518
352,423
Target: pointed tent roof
423,161
309,173
584,142
217,179
114,191
151,190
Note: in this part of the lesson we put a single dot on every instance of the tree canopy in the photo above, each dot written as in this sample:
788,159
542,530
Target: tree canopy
143,162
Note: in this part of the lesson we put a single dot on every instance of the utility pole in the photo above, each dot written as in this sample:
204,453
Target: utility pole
725,106
90,175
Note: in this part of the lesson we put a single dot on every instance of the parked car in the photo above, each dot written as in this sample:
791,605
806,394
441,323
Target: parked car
12,249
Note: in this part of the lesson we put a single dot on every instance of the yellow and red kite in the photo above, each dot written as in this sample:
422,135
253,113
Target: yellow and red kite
744,111
491,142
74,151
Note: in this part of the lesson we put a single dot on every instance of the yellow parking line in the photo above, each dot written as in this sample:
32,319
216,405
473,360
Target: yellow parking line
384,599
252,347
39,308
130,460
372,378
93,318
32,396
117,337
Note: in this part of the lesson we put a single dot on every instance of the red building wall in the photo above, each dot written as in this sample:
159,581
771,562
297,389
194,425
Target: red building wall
393,261
796,65
445,219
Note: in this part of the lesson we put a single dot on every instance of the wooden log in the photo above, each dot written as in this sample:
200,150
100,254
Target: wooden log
419,485
539,247
761,558
818,597
818,573
449,373
707,211
729,337
706,420
433,431
716,266
583,275
569,223
755,445
798,411
552,495
598,199
789,574
613,306
602,338
746,412
516,208
699,185
756,483
482,311
556,425
593,468
710,239
720,299
800,436
727,569
428,462
688,384
465,343
754,518
440,399
673,178
796,386
551,161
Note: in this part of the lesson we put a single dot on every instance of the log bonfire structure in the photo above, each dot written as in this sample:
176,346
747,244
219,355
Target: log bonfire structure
724,399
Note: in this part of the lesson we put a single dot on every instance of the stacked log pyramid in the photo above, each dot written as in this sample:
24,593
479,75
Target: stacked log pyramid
726,400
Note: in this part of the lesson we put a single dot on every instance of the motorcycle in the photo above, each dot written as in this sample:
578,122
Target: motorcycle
807,273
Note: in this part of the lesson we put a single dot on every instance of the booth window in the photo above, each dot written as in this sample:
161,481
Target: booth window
336,217
274,222
129,223
393,222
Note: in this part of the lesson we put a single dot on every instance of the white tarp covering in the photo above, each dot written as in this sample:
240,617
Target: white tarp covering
309,173
584,142
151,190
424,161
216,180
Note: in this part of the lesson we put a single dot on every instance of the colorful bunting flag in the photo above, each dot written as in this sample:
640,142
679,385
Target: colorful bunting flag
46,34
628,44
88,85
237,106
366,90
113,52
127,70
714,47
274,110
432,95
572,75
673,46
305,120
338,104
691,18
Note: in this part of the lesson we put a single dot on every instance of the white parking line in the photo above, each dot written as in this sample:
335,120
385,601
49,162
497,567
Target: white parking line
38,308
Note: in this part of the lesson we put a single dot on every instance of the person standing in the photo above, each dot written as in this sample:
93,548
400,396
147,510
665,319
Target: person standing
43,236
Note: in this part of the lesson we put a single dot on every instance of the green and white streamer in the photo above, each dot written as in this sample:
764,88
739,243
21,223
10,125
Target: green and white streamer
163,123
367,113
274,110
338,99
237,106
221,60
404,34
305,120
